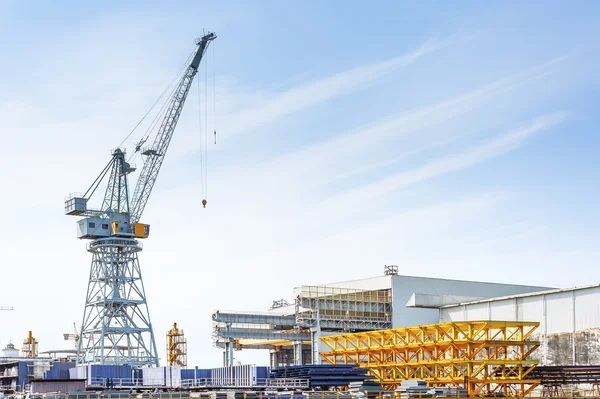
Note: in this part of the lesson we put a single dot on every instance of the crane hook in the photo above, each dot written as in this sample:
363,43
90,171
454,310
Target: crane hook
215,137
204,203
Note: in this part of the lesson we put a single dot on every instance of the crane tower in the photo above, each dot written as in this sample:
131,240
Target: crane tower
116,325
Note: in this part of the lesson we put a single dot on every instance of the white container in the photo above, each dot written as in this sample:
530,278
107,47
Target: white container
235,376
169,376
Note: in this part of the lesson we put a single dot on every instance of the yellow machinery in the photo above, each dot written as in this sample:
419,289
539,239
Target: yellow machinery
140,230
487,357
30,346
176,347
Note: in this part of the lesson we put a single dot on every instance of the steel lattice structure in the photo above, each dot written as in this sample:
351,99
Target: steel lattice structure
487,356
116,325
176,347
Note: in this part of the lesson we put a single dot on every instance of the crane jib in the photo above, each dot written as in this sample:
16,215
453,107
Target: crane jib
158,150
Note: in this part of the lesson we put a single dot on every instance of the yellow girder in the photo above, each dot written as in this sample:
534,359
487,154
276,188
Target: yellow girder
489,356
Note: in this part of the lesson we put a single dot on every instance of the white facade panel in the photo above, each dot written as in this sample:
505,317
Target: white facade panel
588,299
453,314
530,309
569,329
559,313
503,310
479,312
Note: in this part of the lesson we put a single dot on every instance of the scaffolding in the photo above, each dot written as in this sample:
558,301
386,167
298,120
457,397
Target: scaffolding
30,346
176,347
487,357
347,303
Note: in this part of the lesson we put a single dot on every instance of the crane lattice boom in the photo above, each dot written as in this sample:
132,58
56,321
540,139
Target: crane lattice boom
155,154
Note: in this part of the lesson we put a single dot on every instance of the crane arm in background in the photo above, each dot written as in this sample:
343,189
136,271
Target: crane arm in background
156,153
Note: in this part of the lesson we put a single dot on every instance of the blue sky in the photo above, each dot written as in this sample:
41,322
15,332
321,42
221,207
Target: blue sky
457,140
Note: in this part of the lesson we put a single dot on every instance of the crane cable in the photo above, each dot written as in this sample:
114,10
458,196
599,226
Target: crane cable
178,75
214,93
206,128
201,149
160,114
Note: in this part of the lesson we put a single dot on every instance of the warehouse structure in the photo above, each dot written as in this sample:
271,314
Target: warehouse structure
569,319
291,330
491,346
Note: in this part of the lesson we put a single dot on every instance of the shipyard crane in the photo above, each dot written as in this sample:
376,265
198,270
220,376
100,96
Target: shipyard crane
73,337
116,325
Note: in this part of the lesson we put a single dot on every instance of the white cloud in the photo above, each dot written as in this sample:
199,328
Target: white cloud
471,157
407,123
313,93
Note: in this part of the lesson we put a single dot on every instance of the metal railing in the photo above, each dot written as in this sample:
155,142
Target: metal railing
125,242
291,383
268,395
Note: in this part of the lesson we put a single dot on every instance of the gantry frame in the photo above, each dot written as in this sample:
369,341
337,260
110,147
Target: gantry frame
487,356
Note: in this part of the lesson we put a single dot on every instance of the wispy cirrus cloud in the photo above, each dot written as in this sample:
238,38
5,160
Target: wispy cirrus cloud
312,93
410,122
452,163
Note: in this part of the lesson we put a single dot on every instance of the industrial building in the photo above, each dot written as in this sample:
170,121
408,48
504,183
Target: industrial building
291,330
569,331
17,372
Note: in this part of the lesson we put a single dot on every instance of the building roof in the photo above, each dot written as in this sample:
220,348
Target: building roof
528,294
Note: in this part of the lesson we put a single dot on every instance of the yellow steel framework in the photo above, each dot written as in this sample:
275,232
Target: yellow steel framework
176,347
489,357
30,346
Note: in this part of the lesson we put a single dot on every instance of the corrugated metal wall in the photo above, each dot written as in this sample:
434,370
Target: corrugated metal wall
169,376
99,374
569,322
45,386
59,371
240,376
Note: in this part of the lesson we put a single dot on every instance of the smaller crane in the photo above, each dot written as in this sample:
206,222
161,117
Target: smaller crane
74,337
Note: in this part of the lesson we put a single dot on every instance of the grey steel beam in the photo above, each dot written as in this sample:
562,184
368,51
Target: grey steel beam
250,333
244,346
347,324
253,318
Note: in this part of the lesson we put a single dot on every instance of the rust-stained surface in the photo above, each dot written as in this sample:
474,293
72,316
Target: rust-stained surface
557,349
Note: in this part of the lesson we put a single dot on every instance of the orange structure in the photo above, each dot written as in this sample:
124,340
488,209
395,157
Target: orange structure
488,357
30,346
176,347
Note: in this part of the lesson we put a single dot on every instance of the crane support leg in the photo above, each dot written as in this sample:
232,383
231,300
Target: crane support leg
116,326
228,354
